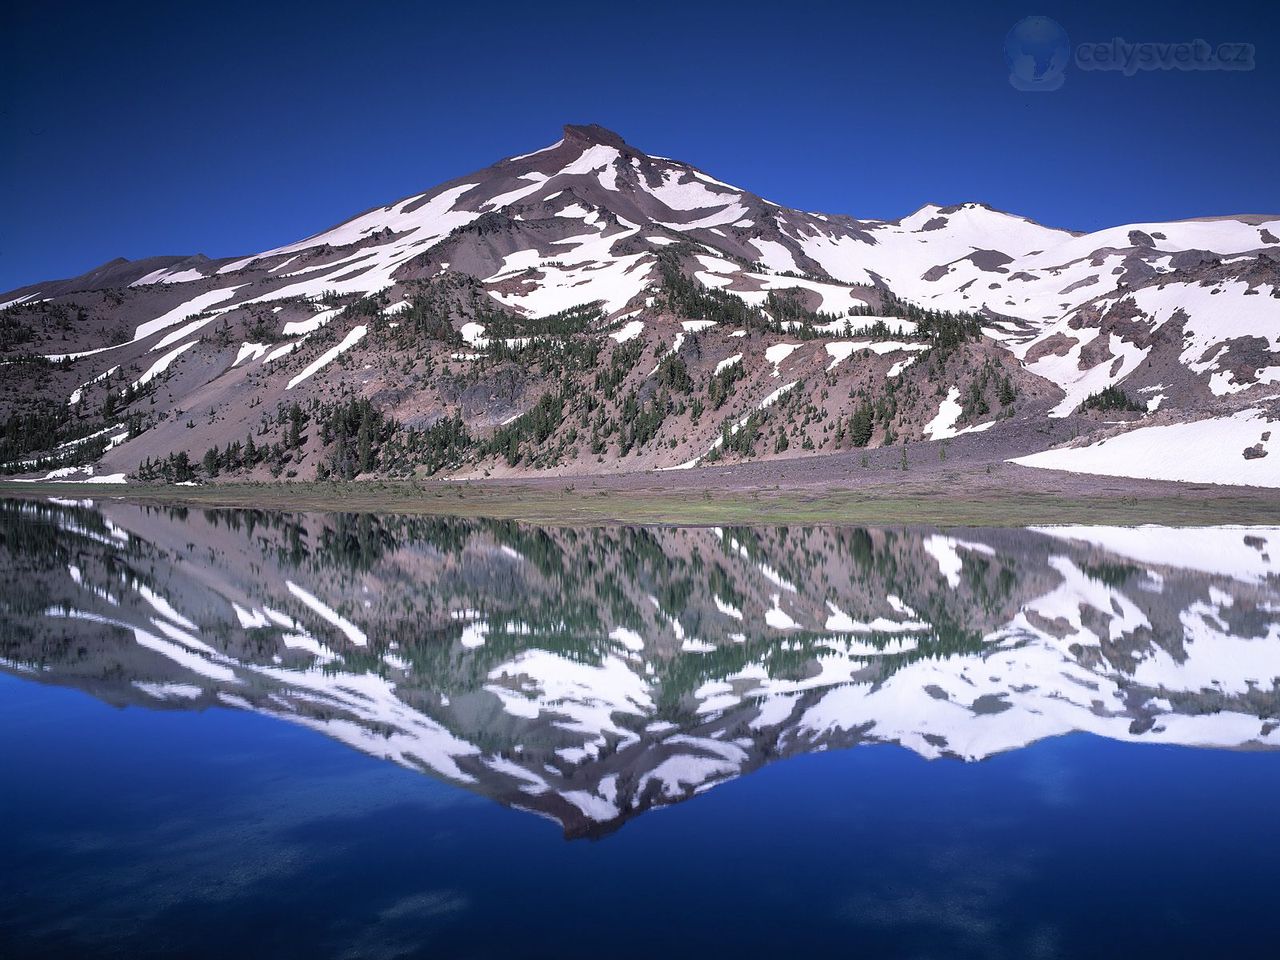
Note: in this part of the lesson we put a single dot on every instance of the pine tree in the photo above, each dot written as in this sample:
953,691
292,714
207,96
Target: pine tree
182,471
861,425
1007,392
364,440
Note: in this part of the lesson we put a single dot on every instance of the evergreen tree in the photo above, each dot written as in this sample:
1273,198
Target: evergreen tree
861,426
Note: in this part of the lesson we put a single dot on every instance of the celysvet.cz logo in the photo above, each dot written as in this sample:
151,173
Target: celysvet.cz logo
1038,53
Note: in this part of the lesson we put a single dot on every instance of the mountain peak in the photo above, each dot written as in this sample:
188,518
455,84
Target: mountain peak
593,133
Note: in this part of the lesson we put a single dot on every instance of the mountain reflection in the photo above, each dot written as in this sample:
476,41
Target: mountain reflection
589,674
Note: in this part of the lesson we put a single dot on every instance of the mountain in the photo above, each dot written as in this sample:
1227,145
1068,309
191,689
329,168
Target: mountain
592,674
588,308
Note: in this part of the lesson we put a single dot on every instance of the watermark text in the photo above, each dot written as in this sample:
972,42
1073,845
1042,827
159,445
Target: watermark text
1130,58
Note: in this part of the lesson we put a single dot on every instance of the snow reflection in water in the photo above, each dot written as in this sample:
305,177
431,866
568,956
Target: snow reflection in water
591,674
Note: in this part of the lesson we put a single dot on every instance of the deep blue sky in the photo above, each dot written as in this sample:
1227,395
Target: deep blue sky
140,129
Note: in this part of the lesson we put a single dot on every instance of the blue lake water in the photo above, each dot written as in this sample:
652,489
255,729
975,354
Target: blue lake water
271,735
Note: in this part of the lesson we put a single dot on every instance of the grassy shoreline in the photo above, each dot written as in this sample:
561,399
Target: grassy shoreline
568,504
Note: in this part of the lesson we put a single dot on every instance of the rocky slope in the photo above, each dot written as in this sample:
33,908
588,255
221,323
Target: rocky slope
588,308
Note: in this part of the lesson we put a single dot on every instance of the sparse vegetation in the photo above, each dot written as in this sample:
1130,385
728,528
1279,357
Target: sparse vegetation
1111,398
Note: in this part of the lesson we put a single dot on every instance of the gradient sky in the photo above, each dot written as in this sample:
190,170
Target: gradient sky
135,129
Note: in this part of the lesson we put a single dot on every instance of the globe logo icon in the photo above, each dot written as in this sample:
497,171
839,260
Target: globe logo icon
1037,51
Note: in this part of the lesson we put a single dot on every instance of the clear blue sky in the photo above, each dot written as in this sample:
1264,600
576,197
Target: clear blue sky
133,129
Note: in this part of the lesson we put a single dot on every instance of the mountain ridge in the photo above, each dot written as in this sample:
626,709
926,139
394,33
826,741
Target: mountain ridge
952,318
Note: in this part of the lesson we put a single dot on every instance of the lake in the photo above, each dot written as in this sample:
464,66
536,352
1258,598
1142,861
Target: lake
249,733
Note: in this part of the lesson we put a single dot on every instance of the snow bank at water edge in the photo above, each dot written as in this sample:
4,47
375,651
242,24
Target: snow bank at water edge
1203,451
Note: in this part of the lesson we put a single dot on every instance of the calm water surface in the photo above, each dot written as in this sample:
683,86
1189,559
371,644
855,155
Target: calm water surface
238,733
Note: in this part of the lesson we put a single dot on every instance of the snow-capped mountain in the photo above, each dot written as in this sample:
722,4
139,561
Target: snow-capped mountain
530,312
589,675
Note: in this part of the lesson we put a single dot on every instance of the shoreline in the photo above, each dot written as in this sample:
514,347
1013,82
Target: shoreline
1009,497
